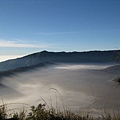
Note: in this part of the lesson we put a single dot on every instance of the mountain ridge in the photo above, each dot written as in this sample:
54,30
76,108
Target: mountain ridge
60,57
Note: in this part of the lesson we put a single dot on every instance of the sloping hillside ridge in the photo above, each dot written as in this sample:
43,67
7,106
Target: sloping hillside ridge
60,57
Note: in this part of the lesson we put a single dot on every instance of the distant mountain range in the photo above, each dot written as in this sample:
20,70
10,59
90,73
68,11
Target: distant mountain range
38,59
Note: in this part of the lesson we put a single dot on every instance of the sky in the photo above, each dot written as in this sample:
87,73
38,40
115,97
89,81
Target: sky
29,26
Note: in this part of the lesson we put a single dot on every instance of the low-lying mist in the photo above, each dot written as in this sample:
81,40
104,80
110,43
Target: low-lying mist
81,86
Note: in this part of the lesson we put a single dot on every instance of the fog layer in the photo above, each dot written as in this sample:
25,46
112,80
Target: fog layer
81,86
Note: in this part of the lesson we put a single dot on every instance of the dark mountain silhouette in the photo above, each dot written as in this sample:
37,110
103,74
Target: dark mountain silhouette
59,57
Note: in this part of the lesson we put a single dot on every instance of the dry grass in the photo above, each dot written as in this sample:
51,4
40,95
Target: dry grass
45,112
41,112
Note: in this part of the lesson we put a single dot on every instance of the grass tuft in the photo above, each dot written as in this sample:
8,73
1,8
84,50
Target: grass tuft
40,112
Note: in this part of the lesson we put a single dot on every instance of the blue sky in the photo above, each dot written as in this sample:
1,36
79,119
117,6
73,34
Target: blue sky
28,26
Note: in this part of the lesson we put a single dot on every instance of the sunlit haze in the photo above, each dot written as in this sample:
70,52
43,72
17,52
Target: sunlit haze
8,57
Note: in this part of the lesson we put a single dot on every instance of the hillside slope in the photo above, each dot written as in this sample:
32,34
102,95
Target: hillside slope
60,57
